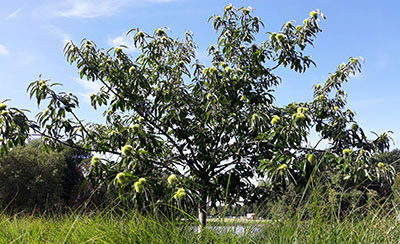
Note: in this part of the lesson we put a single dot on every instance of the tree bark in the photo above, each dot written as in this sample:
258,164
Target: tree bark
202,209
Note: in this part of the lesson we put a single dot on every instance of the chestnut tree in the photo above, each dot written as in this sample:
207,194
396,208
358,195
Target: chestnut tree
209,129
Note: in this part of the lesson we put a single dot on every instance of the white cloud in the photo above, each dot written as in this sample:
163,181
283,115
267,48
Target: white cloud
162,1
59,33
14,14
3,50
89,87
89,8
357,75
122,40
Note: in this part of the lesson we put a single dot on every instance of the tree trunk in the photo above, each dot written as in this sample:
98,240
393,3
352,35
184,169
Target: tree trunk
203,209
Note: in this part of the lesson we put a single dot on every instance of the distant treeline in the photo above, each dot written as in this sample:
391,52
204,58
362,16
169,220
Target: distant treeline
35,179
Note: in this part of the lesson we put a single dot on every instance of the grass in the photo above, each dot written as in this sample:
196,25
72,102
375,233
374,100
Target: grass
108,228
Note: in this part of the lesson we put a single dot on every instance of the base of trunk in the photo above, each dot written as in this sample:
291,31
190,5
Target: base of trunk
203,211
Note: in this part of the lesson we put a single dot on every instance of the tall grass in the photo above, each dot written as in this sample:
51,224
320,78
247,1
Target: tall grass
318,220
109,227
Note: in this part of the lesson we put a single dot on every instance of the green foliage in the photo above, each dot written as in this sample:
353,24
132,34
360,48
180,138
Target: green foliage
31,178
396,192
14,127
389,158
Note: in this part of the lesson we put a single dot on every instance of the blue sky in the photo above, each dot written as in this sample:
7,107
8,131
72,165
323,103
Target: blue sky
33,34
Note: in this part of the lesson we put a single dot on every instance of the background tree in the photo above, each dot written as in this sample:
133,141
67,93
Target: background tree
391,157
32,178
213,128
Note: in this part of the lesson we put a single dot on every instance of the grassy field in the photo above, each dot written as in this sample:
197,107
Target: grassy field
107,228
